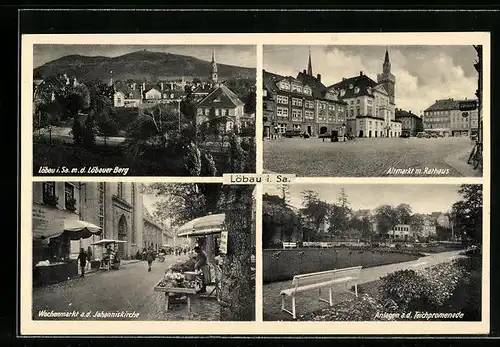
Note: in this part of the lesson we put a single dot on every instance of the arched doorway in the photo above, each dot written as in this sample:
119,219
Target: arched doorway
122,235
369,133
361,133
323,130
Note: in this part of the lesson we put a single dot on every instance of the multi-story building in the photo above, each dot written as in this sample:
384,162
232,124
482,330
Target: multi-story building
116,207
411,124
429,227
444,117
401,232
303,104
371,104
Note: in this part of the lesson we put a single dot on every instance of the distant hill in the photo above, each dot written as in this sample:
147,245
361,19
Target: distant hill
140,65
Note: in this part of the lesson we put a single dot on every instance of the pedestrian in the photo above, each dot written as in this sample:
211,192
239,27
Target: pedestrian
149,258
82,258
202,264
89,257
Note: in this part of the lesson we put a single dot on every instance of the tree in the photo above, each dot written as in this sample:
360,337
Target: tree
417,225
386,218
284,193
403,213
366,228
315,210
107,127
339,221
467,214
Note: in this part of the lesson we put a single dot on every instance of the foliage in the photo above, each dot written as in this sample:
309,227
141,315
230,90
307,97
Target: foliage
183,265
403,213
182,202
107,127
386,218
467,214
315,210
278,216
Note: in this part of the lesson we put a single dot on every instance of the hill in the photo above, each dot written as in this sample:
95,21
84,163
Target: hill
140,65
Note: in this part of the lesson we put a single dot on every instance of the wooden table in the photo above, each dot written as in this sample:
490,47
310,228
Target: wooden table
176,290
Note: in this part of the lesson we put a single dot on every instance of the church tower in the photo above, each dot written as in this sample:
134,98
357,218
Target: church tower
386,78
214,77
309,65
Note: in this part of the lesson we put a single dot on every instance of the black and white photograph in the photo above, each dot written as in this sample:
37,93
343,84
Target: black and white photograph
143,251
373,111
372,252
139,110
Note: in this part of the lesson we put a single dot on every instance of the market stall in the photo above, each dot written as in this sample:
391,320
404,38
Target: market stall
181,281
51,249
111,256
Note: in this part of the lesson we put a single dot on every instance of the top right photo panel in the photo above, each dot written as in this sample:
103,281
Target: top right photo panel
373,111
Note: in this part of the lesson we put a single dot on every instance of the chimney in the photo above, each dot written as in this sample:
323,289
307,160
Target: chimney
171,85
143,85
132,85
361,73
161,86
319,77
304,72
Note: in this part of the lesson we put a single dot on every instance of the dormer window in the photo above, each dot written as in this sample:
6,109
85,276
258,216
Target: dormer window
131,95
342,92
350,86
284,85
356,90
217,100
369,90
307,91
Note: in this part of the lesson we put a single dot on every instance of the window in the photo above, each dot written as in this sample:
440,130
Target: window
356,90
309,114
331,107
358,111
282,127
309,104
370,101
296,114
120,190
282,112
217,100
284,85
296,88
200,112
280,99
369,110
69,197
350,86
307,91
342,92
217,112
369,90
49,193
296,102
207,111
357,101
322,106
296,127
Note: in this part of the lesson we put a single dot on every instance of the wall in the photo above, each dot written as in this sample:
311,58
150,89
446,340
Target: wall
289,263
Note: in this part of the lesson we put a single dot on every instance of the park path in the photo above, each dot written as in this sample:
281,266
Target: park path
308,302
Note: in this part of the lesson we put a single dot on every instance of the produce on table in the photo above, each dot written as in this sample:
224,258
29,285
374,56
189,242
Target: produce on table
174,276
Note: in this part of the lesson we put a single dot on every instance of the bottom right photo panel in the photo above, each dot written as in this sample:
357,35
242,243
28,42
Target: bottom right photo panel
372,252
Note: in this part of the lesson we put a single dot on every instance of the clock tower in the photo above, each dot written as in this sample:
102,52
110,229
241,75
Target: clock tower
386,78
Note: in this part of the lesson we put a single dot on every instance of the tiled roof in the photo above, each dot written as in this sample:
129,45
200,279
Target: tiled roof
399,113
445,105
127,90
227,98
363,82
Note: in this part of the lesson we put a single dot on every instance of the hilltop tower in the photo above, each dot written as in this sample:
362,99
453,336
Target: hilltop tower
386,78
214,77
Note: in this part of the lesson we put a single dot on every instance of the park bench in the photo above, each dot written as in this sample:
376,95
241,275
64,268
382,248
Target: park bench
289,245
318,281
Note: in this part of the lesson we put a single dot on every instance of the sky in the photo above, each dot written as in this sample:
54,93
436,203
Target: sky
423,198
424,74
244,56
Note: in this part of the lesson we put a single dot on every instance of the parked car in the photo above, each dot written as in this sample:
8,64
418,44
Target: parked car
405,135
423,134
292,133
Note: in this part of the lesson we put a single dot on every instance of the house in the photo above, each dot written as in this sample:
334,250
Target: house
401,232
126,95
223,105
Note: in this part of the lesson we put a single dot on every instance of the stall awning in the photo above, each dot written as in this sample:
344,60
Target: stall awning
73,229
206,225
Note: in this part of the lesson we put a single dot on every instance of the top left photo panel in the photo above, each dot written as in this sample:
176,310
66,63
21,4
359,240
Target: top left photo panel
171,110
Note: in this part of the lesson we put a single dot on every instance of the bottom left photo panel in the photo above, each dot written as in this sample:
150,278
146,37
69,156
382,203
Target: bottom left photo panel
143,251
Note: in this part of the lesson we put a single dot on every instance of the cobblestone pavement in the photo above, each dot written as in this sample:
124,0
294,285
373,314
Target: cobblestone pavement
128,289
308,301
368,157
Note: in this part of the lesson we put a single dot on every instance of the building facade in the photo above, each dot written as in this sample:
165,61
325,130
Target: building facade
444,117
401,232
116,207
411,124
371,105
302,104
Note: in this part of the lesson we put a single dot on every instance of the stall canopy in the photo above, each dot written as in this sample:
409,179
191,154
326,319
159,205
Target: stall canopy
206,225
73,229
107,241
79,229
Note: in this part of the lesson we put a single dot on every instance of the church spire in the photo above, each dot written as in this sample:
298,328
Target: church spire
214,68
387,64
309,65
